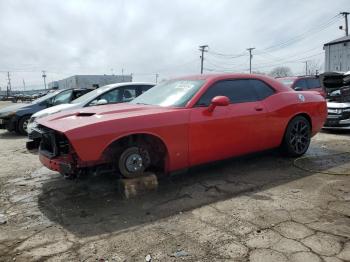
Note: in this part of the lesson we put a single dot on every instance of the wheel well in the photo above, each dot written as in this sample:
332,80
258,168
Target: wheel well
308,118
152,143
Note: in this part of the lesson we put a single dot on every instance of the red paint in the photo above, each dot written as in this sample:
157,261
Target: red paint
192,135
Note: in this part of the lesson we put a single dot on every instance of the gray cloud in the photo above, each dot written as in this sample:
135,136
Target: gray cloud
146,37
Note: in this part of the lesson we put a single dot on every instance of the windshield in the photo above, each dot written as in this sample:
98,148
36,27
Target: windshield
286,82
45,97
91,95
170,93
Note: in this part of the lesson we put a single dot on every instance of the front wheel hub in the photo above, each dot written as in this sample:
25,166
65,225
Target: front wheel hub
134,163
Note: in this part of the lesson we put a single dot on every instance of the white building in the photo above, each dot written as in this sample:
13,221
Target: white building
86,81
338,55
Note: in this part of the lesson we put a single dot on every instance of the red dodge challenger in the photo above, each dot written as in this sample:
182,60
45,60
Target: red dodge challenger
181,123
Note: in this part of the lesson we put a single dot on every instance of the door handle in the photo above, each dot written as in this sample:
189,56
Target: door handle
258,108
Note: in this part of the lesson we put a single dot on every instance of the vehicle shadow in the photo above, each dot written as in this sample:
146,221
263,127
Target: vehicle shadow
93,206
10,135
336,131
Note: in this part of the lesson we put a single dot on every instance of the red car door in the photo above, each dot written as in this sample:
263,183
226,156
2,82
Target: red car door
230,130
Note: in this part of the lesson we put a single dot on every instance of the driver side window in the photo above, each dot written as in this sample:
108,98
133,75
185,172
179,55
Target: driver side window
62,98
108,97
238,91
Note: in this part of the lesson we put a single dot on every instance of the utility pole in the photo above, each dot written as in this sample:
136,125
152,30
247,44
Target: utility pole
250,58
157,75
345,14
44,77
8,90
305,67
123,74
202,48
24,85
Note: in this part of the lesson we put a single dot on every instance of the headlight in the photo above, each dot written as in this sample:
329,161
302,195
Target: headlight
346,110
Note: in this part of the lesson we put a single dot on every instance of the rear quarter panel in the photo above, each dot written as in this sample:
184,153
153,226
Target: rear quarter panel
284,106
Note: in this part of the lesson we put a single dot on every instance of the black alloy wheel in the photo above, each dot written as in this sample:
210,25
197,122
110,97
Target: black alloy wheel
297,137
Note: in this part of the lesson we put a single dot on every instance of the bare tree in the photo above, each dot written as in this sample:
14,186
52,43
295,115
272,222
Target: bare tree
281,71
314,67
257,72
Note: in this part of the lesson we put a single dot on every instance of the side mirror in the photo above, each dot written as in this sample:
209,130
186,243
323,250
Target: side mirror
218,101
102,102
298,88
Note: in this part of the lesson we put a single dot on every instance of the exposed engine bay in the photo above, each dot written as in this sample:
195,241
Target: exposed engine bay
337,88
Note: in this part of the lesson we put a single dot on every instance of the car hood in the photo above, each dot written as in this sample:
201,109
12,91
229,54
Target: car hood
55,109
13,108
73,119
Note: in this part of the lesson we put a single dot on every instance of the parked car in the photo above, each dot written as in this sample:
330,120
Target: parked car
182,123
337,87
303,83
16,117
109,94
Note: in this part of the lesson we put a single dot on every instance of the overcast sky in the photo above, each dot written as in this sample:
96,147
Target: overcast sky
148,37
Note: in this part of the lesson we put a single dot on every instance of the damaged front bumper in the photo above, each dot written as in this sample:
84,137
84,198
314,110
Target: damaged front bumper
57,164
35,133
55,151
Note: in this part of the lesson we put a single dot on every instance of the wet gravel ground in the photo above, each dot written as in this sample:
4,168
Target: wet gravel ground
262,207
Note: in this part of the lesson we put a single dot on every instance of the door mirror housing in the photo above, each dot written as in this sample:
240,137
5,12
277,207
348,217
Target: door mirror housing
218,101
102,102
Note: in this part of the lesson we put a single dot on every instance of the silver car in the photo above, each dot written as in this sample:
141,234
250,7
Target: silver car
109,94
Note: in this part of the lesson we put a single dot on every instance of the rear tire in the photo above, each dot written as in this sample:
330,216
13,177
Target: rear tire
22,125
297,137
133,161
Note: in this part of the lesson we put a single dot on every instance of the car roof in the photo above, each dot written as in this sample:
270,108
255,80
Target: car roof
106,86
297,77
216,77
128,84
227,76
117,85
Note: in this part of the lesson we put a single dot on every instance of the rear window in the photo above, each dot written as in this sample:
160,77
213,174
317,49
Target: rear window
262,89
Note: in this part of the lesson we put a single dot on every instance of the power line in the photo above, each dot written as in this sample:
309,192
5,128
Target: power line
226,55
304,35
286,43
